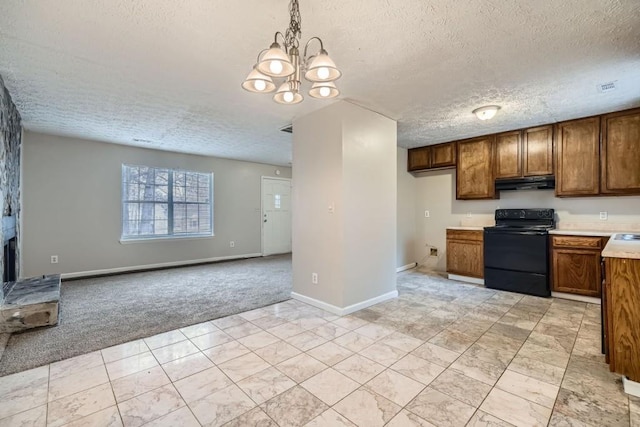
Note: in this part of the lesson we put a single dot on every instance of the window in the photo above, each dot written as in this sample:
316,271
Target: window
160,202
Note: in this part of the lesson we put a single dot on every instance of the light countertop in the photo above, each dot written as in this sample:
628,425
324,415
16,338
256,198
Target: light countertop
622,248
596,233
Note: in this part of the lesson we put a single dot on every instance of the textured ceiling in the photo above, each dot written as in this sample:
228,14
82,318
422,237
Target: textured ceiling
167,73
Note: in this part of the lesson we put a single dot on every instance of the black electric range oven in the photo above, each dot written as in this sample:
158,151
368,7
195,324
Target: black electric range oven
516,251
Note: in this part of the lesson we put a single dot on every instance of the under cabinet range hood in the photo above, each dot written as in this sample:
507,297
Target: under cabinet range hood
527,183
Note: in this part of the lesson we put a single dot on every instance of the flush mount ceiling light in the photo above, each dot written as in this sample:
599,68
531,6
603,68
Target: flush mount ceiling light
487,112
285,62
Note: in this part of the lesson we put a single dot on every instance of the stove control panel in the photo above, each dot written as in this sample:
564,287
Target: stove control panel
524,214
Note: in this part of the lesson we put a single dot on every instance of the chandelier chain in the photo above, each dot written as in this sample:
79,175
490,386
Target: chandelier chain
294,32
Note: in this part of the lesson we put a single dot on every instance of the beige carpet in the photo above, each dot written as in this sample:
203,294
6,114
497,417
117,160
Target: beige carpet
102,312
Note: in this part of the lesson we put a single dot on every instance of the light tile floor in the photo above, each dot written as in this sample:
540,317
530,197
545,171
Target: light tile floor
442,354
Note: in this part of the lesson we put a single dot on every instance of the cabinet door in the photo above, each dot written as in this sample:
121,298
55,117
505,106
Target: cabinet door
509,155
578,157
537,151
474,175
623,276
620,172
577,271
443,155
419,158
465,258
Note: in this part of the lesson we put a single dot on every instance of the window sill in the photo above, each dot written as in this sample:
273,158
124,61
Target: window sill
164,238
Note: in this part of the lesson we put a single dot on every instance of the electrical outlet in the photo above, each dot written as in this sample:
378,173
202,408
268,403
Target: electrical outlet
468,214
426,214
314,278
434,252
54,259
232,244
604,216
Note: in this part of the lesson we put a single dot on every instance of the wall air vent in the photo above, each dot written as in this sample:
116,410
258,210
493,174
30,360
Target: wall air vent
287,129
606,87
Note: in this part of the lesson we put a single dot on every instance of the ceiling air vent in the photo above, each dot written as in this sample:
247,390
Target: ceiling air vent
142,140
287,129
606,87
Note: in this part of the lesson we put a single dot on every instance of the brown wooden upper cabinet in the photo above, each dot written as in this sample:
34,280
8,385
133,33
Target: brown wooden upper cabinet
524,153
443,155
620,148
432,157
578,157
419,158
509,155
474,177
537,151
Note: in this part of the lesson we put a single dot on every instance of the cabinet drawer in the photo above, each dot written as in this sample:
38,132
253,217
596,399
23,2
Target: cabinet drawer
469,235
577,242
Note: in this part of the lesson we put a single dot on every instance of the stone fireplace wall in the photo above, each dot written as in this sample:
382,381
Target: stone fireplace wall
10,145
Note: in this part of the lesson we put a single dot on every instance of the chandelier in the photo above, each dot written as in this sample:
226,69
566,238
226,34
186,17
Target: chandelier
285,62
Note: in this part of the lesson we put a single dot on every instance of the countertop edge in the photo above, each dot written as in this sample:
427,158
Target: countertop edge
621,249
594,233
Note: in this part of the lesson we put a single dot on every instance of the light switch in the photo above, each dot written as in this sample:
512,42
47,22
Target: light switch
426,214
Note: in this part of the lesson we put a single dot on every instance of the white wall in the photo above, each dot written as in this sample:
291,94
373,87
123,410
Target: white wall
369,197
406,209
344,156
317,240
72,206
435,191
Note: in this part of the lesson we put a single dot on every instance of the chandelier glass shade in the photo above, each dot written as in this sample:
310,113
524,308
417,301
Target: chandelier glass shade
321,68
275,62
258,82
287,94
285,62
324,90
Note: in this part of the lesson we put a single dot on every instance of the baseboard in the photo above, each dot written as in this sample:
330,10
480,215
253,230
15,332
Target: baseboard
368,303
342,311
590,300
631,387
108,271
467,279
406,267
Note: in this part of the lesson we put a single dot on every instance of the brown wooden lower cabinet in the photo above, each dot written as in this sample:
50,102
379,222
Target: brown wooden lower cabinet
622,289
576,264
465,255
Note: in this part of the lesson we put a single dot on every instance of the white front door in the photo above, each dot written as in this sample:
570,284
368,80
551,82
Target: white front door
276,215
